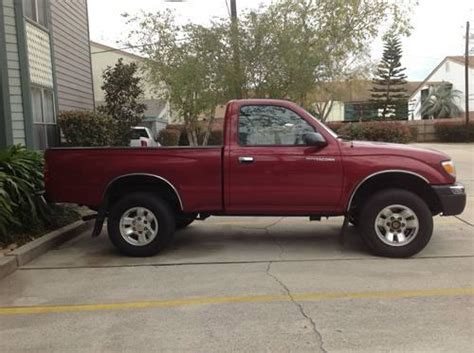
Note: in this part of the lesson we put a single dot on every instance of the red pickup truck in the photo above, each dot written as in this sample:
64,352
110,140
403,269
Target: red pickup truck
277,160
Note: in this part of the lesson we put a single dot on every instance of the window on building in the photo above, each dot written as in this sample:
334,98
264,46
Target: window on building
266,125
35,10
44,121
359,111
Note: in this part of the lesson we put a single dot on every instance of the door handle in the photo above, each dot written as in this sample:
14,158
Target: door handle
246,160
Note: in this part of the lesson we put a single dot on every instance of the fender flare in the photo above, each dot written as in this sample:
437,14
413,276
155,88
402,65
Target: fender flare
367,178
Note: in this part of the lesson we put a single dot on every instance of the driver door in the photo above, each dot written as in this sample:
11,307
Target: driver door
272,171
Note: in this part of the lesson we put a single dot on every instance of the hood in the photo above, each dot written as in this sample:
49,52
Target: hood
426,155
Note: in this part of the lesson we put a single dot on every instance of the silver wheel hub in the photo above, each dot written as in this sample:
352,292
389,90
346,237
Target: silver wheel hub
397,225
138,226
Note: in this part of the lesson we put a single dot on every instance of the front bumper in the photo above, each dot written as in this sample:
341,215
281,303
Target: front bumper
452,198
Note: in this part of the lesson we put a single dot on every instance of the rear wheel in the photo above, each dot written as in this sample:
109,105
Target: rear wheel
396,223
140,224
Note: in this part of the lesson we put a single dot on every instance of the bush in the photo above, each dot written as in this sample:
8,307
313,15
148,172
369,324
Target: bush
335,126
22,210
21,178
169,137
454,132
215,137
378,131
86,128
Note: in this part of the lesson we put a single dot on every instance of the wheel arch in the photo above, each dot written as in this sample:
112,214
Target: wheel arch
386,179
143,182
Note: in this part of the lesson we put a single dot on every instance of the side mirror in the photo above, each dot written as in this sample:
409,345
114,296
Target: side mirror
315,139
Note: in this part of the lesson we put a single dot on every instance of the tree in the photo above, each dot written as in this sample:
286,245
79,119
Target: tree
389,86
441,102
123,99
190,64
293,46
286,49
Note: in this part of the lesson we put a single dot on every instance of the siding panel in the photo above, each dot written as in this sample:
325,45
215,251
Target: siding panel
13,72
71,54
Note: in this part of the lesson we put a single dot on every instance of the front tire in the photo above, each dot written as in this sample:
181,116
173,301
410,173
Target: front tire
396,223
140,224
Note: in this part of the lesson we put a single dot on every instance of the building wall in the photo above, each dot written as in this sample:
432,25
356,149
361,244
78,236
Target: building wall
336,113
102,58
71,54
11,74
452,72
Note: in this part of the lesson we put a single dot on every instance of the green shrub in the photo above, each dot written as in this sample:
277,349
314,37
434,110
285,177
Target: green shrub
86,128
169,137
23,212
216,138
454,131
21,178
335,126
378,131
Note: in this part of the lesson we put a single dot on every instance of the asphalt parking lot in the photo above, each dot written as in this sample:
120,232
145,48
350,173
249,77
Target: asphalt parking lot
250,285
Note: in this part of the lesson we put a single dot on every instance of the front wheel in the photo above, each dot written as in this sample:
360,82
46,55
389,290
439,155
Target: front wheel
396,223
141,224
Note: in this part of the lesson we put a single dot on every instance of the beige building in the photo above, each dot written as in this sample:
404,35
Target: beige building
351,99
158,113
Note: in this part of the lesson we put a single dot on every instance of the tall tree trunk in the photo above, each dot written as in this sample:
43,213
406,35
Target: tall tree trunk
209,129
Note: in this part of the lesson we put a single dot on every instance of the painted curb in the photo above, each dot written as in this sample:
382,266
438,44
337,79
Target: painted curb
37,247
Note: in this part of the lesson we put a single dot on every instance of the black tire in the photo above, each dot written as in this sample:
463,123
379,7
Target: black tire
381,201
182,221
160,210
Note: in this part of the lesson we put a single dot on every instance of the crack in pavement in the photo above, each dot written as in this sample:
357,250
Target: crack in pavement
266,227
271,236
299,306
464,221
172,264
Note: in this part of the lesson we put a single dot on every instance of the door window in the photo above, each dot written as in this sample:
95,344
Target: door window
270,125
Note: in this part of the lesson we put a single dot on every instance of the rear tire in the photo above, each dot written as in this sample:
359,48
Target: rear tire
396,223
140,224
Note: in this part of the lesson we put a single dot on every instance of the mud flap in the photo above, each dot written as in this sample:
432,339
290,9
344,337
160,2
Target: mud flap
343,230
99,221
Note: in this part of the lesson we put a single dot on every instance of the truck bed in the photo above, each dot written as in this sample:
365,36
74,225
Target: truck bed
81,175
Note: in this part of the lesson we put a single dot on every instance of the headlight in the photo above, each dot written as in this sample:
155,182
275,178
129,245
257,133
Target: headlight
449,168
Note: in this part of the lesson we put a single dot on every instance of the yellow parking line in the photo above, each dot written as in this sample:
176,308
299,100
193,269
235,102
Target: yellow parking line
449,292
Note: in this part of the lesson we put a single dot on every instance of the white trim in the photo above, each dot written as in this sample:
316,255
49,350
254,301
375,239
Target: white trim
148,175
378,173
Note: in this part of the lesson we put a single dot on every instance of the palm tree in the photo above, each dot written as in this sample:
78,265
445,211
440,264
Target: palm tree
441,102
